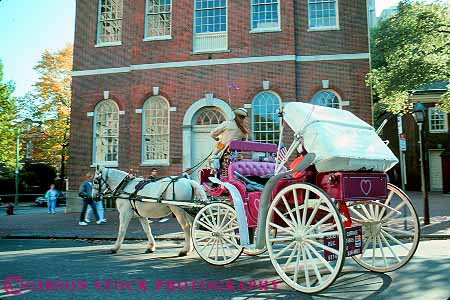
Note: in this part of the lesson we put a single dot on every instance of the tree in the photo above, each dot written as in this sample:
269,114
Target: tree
7,116
52,103
409,50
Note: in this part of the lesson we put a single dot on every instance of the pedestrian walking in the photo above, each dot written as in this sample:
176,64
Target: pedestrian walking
51,196
86,195
100,210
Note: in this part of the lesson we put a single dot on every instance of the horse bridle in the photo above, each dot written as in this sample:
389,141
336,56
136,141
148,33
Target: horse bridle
100,181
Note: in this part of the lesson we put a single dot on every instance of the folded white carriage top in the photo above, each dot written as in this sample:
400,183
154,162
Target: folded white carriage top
340,140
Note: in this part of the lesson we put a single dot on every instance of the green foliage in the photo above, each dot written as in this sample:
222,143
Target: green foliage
7,115
409,50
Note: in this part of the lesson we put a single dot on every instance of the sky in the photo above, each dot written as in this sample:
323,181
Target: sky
28,27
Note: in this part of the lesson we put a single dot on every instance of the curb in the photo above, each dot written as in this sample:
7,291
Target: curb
72,237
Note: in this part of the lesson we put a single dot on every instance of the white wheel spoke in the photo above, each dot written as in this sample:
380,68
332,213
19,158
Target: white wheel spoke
291,256
395,240
211,213
207,220
225,215
305,207
334,251
297,210
320,257
390,248
366,212
281,239
395,210
323,220
281,252
357,213
388,200
374,246
203,238
212,248
382,251
366,245
231,229
323,234
377,210
284,229
232,242
217,250
305,266
313,214
316,270
284,218
372,212
206,245
229,222
289,210
404,232
206,226
297,265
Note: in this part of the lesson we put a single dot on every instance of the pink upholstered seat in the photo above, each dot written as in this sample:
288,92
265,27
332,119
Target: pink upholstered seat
250,168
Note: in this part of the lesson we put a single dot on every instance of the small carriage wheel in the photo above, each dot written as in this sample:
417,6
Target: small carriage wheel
391,231
215,234
309,250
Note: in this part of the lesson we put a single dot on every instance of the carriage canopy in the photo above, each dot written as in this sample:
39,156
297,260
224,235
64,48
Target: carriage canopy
340,140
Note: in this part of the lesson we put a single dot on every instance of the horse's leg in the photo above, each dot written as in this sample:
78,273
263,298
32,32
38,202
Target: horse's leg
125,215
148,232
185,221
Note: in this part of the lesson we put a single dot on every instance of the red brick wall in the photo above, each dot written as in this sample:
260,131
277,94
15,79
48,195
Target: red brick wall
183,86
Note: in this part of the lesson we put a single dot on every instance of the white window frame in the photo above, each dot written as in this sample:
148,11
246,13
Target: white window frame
220,37
266,29
323,28
156,37
99,28
155,162
254,109
330,91
445,129
113,163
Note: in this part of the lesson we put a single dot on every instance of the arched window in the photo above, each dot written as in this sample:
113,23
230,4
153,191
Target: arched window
326,98
106,133
155,131
265,120
209,116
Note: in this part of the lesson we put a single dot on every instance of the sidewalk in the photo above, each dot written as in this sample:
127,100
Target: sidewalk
34,222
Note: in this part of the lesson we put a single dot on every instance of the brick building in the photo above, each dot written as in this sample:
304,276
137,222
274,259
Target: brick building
152,77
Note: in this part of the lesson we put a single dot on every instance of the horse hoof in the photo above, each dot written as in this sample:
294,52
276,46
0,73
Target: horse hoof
113,251
149,251
182,253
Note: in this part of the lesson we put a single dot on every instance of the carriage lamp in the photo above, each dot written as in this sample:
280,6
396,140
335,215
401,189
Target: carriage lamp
419,113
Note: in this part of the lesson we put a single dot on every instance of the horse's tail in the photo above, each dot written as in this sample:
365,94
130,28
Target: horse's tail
199,192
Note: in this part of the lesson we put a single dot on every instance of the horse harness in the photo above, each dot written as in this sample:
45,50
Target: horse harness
133,197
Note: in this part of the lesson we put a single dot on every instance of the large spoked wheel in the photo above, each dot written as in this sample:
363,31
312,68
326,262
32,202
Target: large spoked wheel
304,217
215,234
391,231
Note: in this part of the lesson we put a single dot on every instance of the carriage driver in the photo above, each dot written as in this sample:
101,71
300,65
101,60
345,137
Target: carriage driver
228,131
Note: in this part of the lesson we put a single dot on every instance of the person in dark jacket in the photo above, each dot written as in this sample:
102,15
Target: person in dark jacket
86,195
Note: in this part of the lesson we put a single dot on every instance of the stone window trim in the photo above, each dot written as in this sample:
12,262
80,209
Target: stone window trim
109,135
161,112
261,130
109,23
311,27
159,16
437,120
326,94
253,11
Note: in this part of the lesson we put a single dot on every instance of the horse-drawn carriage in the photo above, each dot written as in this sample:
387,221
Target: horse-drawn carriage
338,204
335,203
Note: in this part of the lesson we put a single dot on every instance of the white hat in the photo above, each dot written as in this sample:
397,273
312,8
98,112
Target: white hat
241,112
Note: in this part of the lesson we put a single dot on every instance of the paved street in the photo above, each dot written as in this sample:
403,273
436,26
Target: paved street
98,275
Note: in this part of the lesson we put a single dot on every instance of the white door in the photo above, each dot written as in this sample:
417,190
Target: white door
204,121
435,170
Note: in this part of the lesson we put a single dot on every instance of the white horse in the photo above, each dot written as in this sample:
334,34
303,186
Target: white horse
108,180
